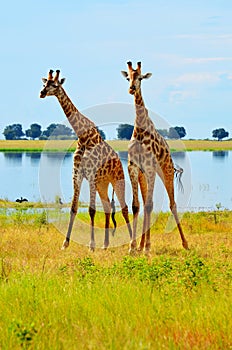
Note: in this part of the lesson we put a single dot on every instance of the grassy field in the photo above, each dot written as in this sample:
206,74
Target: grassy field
73,299
118,145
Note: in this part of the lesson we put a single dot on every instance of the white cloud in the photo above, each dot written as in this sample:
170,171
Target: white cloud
206,59
204,36
178,61
198,78
189,86
180,96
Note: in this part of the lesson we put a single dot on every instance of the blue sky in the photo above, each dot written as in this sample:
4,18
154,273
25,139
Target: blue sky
187,45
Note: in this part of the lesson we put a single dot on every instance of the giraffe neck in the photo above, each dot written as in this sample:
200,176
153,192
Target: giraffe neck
144,129
139,99
142,120
78,121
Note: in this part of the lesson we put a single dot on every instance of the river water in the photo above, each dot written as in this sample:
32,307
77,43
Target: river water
46,176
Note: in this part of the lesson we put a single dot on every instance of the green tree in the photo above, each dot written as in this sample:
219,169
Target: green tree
58,131
34,131
163,132
172,133
180,131
13,132
101,132
177,132
125,131
220,133
49,131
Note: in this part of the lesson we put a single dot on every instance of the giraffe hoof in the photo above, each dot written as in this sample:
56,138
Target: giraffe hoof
133,246
147,252
92,248
185,245
65,245
132,250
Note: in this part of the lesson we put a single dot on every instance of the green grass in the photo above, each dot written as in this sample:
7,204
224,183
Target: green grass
73,299
118,145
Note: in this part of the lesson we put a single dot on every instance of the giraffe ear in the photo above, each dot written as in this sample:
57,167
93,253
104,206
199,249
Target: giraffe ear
125,74
146,76
62,81
44,80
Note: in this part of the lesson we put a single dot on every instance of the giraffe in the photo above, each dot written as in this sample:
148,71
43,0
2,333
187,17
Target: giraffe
148,155
94,160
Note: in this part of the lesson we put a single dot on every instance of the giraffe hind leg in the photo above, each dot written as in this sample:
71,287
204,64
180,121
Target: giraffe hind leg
169,185
92,212
112,203
119,188
103,193
183,239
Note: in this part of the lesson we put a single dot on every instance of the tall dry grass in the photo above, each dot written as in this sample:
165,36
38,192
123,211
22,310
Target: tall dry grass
73,299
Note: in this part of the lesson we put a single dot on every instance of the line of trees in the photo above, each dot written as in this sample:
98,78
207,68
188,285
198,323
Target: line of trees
62,132
125,131
53,131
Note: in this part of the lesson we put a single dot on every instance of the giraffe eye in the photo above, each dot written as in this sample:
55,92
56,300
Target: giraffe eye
128,79
140,79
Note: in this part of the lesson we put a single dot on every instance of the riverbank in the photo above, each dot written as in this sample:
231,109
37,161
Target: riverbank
118,145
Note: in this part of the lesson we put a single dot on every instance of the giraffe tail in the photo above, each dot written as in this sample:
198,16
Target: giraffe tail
113,213
178,171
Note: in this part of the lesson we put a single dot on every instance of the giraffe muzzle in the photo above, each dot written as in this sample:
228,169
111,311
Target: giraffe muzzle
42,94
132,90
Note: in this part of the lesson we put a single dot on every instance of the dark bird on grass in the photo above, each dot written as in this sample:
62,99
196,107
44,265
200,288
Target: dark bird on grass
20,200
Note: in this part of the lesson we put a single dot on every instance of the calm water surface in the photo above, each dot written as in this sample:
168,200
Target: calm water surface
43,176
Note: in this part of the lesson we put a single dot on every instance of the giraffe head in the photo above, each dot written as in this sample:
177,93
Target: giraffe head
51,85
135,76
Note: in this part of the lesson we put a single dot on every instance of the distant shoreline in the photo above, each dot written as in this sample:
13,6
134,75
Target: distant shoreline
118,145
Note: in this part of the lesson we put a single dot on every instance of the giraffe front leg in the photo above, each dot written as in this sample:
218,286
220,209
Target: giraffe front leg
134,173
77,181
143,189
73,213
146,243
146,236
